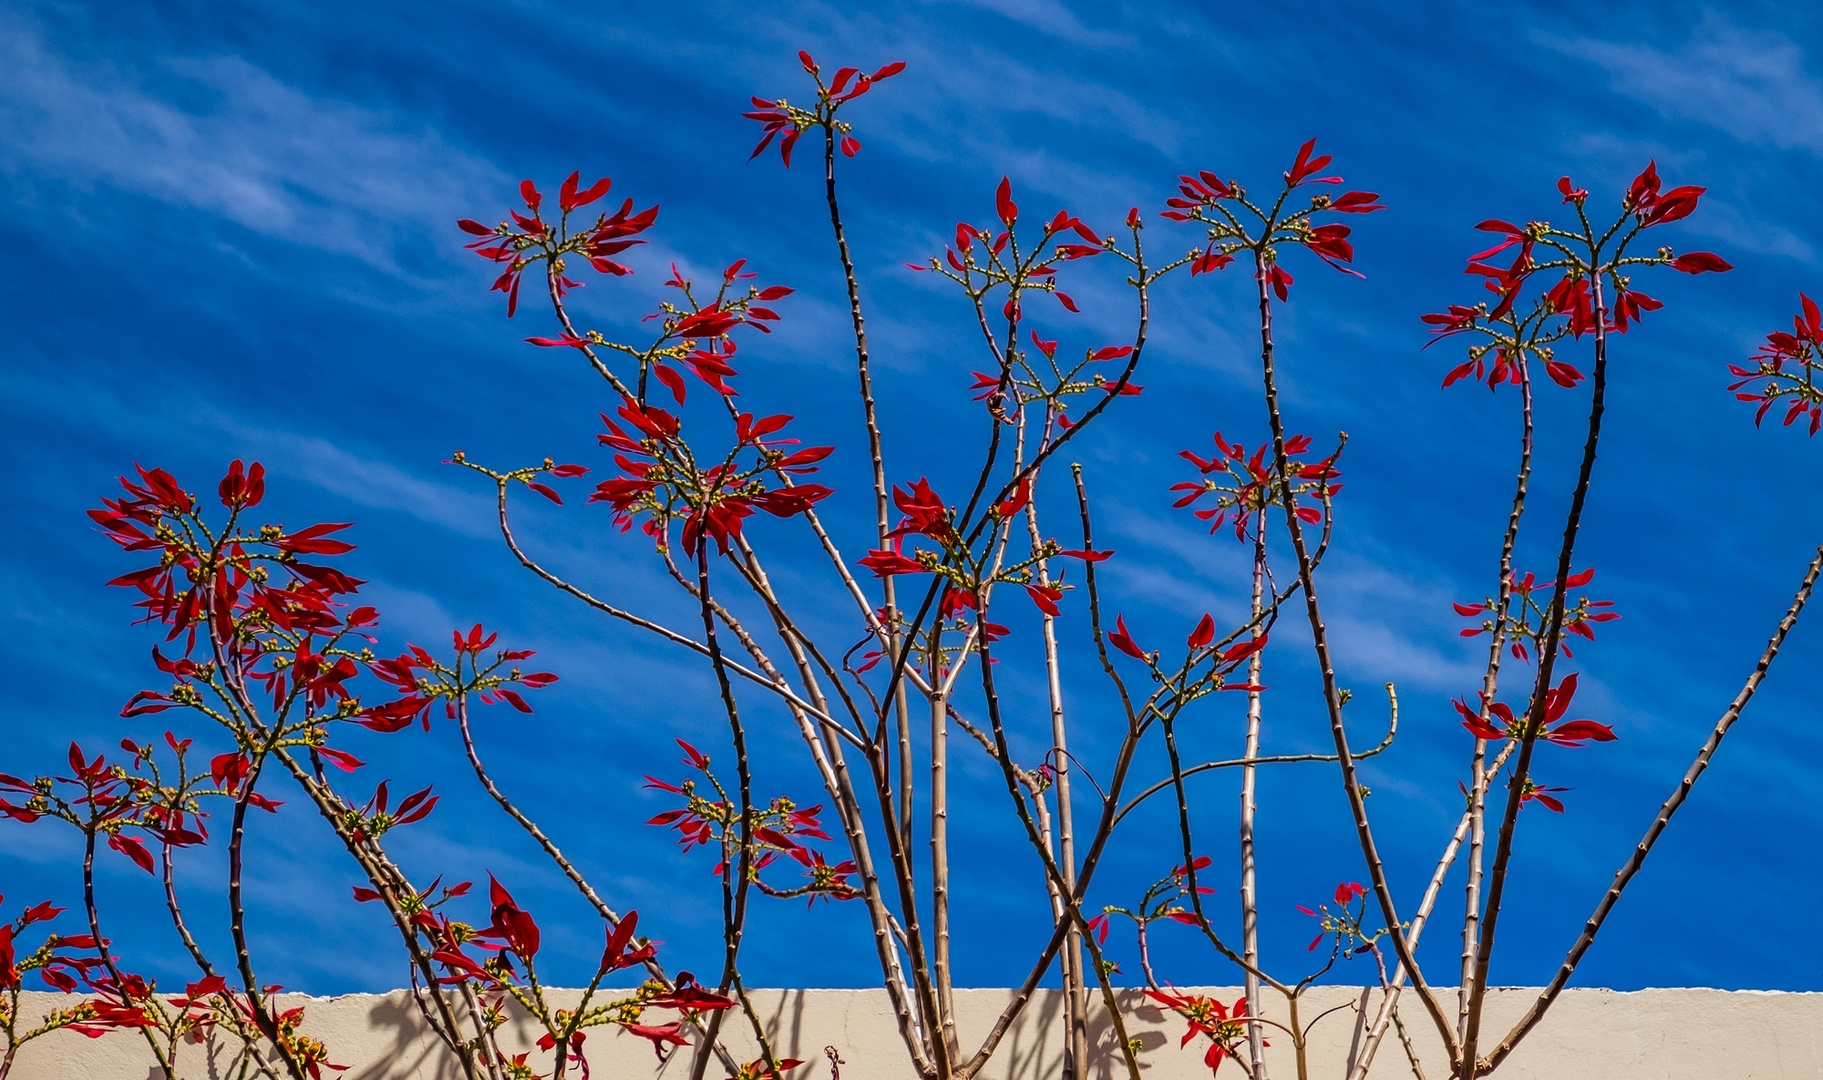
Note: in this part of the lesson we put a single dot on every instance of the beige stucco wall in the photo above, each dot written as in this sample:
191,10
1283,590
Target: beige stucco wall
1594,1034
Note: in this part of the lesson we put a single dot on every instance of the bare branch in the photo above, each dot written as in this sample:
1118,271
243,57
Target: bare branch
1670,806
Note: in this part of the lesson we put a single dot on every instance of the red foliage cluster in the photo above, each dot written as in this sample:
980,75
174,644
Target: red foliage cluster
274,654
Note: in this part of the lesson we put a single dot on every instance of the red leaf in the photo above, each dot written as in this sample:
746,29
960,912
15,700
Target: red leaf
888,563
1020,497
1123,641
132,849
309,541
1243,650
1583,729
340,759
672,379
1700,262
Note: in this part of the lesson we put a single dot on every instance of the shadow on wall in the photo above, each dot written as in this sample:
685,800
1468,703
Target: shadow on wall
1592,1034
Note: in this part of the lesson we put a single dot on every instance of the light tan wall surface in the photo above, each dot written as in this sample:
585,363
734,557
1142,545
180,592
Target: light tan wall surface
1592,1034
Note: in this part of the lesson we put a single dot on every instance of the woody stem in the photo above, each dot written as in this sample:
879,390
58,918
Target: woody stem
1550,636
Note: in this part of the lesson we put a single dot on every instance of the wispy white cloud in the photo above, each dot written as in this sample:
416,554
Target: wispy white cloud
1053,18
1725,222
243,145
1024,78
367,482
1758,87
1743,232
347,470
949,127
1387,622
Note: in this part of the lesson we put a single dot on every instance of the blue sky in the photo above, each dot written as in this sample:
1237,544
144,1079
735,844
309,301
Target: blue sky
233,236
